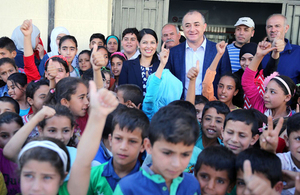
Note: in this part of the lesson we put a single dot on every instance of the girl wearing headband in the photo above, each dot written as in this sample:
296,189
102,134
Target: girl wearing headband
43,164
279,90
56,122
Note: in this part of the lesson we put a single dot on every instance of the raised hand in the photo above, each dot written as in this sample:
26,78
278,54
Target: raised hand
164,55
255,184
193,72
264,47
97,59
102,101
279,43
26,27
40,48
51,70
221,46
45,112
269,137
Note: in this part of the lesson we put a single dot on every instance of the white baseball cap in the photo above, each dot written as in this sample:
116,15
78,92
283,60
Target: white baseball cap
245,21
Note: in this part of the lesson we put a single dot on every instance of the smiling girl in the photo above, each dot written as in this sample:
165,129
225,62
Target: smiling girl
279,90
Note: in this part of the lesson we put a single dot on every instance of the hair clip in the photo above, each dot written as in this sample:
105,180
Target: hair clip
36,81
264,127
52,90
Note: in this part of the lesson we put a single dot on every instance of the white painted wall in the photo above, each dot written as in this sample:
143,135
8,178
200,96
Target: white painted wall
81,18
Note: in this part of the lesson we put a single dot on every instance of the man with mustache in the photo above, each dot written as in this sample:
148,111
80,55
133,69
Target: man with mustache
170,35
244,30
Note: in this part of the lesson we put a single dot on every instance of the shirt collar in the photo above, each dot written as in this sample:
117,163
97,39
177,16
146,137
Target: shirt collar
108,170
147,172
203,45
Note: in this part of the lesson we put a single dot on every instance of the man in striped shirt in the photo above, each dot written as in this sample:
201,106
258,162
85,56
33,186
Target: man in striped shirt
244,30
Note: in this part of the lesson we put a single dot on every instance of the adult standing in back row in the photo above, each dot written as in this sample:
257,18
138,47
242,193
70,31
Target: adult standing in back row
196,47
289,63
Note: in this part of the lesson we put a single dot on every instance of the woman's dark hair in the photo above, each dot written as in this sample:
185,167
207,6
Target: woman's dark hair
67,37
60,110
145,31
149,31
42,154
63,90
11,101
59,60
18,78
238,99
8,117
33,86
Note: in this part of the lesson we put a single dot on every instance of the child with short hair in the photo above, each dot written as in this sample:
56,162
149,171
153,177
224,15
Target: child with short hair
172,134
240,130
215,170
16,85
7,67
200,102
97,39
10,123
8,104
7,48
213,119
130,43
130,95
269,141
264,165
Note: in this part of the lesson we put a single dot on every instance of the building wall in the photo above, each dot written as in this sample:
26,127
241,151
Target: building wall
14,12
81,18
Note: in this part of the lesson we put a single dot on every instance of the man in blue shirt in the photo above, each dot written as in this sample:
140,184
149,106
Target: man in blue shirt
289,63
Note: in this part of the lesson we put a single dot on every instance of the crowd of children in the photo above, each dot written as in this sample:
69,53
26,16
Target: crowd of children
86,124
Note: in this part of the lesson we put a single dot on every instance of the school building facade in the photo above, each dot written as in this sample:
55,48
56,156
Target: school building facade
83,18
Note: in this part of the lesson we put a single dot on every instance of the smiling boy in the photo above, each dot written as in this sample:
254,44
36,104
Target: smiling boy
172,135
129,129
240,130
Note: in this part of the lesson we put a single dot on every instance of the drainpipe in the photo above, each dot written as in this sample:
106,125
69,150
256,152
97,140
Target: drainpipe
51,12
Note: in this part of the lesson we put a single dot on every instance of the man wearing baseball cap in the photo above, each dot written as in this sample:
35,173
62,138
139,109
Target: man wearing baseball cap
244,30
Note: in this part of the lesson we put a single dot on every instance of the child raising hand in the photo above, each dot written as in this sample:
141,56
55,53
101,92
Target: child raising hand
102,103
